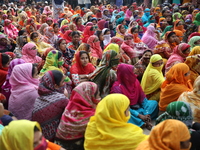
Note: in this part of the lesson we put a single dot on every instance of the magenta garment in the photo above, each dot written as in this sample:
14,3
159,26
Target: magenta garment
10,30
23,92
129,85
80,27
128,48
149,37
128,14
6,86
29,55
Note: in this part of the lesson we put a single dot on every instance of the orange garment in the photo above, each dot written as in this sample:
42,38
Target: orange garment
175,84
194,14
53,146
21,23
167,135
195,51
179,27
155,11
160,20
179,34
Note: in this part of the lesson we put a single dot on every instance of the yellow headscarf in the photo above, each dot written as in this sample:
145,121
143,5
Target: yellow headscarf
155,72
108,128
112,46
167,135
18,135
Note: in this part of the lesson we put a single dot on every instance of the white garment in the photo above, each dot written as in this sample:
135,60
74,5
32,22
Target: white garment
107,39
56,12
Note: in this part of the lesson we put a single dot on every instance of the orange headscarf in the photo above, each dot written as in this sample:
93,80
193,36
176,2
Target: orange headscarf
175,84
194,14
160,20
195,51
167,135
179,34
179,27
158,12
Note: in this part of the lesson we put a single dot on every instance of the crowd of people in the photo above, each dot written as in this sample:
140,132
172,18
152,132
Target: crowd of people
96,76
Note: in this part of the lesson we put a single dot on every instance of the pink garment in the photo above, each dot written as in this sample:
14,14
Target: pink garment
149,37
10,29
47,10
29,53
177,56
23,91
95,47
87,33
80,27
80,108
101,24
130,88
128,14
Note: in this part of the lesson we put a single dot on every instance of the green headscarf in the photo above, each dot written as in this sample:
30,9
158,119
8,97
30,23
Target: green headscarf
192,41
167,28
179,16
177,110
197,20
119,21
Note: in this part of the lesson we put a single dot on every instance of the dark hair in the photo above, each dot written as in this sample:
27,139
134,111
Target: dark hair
170,34
55,24
106,31
133,29
33,68
76,20
59,54
87,46
32,34
147,51
83,52
57,76
5,59
59,41
98,33
36,129
74,33
21,32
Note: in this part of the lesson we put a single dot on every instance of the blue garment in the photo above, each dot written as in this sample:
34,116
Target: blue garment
1,128
149,21
114,14
148,107
119,3
146,15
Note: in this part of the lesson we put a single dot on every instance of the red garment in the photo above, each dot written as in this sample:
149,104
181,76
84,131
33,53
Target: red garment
87,33
77,68
67,36
3,72
101,24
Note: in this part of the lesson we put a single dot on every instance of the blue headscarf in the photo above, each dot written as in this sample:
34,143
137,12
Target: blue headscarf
114,14
149,21
146,15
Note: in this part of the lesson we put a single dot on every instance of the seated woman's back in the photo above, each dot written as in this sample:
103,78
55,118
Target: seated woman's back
50,104
106,127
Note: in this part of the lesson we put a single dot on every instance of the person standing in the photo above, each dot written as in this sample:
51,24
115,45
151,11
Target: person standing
58,7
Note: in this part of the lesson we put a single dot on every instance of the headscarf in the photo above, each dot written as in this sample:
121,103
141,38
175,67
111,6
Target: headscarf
146,15
78,68
177,110
101,76
87,33
155,11
77,113
179,34
167,135
130,88
95,47
194,13
51,38
167,28
116,40
51,62
192,41
3,46
42,27
29,54
24,91
197,20
62,29
118,33
10,30
3,71
114,14
152,71
149,37
193,99
175,84
47,10
193,33
177,55
67,36
149,21
112,46
110,113
18,131
195,51
193,63
179,27
101,24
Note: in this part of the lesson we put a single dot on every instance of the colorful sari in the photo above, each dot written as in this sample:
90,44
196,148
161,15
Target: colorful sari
118,33
104,76
23,92
49,106
175,84
81,107
110,114
11,31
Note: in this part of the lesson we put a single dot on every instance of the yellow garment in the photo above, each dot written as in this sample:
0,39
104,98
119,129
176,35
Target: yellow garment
112,46
41,46
18,135
195,51
167,135
108,128
119,36
153,77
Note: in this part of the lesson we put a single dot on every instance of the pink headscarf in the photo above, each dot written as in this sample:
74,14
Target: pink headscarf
50,37
10,29
29,55
130,88
95,47
101,24
149,37
47,10
23,92
87,33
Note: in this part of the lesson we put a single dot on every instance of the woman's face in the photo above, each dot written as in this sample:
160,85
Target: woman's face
187,51
84,59
61,84
35,75
124,22
146,57
35,37
185,144
31,29
197,42
8,63
172,38
107,33
168,18
94,22
127,113
56,28
10,17
49,22
76,38
63,45
128,38
79,22
122,29
158,63
37,140
135,31
101,38
65,29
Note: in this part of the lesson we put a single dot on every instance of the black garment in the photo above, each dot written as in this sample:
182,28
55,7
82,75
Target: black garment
195,137
10,48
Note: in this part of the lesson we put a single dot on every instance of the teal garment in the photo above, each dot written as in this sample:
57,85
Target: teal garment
113,15
149,21
192,41
176,2
1,128
121,13
197,20
119,21
167,28
177,110
148,107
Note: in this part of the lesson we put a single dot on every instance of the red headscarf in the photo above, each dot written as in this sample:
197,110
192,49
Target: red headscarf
77,68
130,88
95,47
87,33
3,72
101,24
67,36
